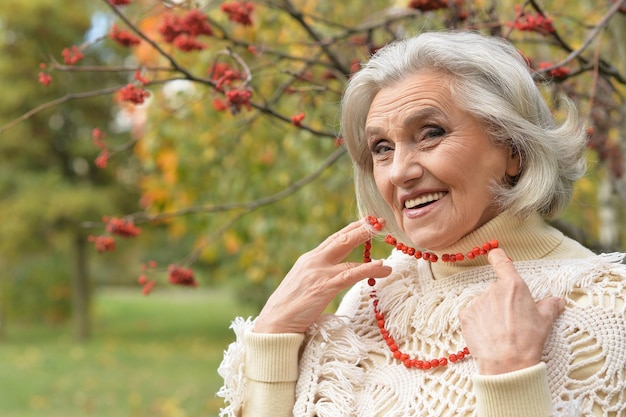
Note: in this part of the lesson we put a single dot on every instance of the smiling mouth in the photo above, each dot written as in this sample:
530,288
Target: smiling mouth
423,200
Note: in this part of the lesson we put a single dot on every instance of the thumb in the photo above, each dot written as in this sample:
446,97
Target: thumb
551,307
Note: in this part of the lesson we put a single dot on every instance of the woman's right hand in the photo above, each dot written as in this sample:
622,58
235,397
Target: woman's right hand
315,280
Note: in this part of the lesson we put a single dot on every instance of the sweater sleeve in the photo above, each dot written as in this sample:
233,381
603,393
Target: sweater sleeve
271,372
260,372
522,393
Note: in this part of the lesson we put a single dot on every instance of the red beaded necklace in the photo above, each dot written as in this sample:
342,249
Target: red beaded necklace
407,360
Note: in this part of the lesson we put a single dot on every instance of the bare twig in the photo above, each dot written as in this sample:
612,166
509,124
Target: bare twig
576,53
56,102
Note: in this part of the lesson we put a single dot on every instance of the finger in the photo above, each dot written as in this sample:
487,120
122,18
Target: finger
355,272
551,307
502,264
339,245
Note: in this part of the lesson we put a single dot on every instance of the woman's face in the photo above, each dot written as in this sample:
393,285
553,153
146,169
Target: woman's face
434,163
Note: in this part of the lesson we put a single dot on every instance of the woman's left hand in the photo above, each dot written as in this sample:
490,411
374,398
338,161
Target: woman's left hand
504,328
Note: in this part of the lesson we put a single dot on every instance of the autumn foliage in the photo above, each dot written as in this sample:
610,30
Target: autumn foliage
292,73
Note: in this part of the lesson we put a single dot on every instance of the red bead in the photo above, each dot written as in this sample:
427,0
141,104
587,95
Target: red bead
459,257
470,255
408,363
476,251
378,227
410,251
445,257
494,244
466,350
397,354
433,258
380,316
443,362
426,365
460,355
426,256
368,245
381,323
393,347
434,363
418,254
390,240
419,364
486,246
404,357
371,282
452,357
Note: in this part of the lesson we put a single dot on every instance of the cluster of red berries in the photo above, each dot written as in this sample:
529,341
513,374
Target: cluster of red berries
121,227
104,243
44,77
239,12
143,80
223,75
143,280
123,36
182,31
558,73
98,139
428,5
72,55
114,226
133,94
178,275
237,99
532,22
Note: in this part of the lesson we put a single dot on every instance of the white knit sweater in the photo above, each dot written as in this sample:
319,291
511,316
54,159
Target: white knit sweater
342,367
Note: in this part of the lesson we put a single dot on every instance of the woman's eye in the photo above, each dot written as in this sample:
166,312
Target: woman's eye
432,132
380,148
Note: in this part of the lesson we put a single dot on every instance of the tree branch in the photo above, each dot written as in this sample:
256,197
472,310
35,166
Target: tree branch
246,205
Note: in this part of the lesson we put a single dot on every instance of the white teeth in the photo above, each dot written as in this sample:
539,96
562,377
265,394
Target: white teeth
425,198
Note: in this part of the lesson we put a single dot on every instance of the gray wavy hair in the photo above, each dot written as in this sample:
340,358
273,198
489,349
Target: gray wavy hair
491,81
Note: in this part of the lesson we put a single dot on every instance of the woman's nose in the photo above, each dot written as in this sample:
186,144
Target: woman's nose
405,166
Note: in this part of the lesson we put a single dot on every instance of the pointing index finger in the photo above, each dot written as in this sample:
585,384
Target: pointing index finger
341,243
501,263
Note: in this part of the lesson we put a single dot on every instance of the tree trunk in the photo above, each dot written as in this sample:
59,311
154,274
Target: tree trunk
81,291
4,300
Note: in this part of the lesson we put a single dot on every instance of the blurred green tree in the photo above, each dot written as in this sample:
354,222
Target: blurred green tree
48,182
230,110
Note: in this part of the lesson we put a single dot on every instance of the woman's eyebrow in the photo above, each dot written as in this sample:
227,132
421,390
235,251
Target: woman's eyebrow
412,119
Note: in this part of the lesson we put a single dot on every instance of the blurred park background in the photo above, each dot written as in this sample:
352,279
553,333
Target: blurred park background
232,190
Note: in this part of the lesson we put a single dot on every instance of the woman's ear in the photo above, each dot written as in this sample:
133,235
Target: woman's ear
514,163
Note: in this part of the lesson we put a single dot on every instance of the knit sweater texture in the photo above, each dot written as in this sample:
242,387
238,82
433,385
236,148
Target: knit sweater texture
343,367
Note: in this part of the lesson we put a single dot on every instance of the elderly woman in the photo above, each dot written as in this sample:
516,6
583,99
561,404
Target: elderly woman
482,309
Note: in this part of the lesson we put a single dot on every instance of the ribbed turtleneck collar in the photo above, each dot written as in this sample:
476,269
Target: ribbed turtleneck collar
522,239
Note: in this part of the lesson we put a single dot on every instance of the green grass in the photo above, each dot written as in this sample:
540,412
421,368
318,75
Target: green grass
151,356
